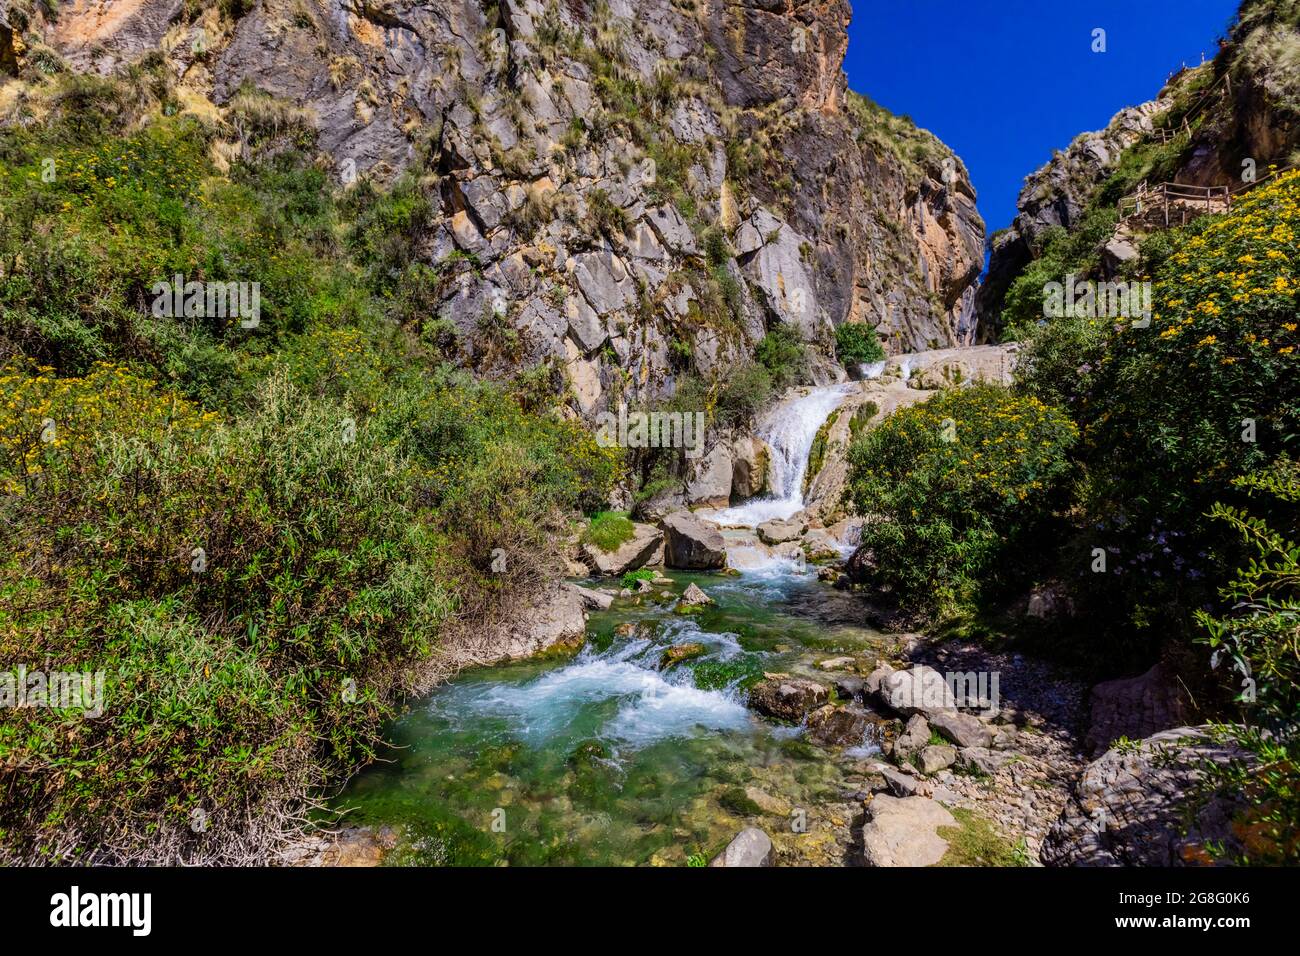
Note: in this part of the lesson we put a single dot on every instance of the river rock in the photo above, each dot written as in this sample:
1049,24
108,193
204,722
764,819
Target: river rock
836,664
915,736
692,545
902,831
1134,707
772,806
849,686
709,485
749,461
659,505
694,596
592,599
778,531
901,784
917,690
876,678
832,726
861,566
937,757
962,729
787,698
635,553
750,847
681,652
552,620
982,760
1138,806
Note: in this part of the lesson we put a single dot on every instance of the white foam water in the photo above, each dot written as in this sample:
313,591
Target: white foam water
652,705
790,430
873,370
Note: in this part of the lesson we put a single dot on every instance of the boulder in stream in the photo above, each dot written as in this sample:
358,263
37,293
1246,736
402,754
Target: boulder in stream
692,545
832,726
750,847
642,549
694,597
787,698
779,531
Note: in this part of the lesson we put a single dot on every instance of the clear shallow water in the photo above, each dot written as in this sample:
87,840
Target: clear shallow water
605,758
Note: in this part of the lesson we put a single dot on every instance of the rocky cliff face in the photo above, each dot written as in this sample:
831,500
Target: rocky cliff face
1056,195
635,189
1242,109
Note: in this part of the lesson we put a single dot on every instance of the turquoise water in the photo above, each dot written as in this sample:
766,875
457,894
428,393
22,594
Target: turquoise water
604,757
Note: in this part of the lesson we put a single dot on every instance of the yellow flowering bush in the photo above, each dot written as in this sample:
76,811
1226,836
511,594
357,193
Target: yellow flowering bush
44,416
948,485
1211,390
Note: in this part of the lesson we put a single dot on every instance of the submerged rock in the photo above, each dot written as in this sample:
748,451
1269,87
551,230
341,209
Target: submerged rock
681,652
832,726
787,698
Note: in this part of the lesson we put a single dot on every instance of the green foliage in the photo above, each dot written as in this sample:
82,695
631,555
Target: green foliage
974,842
784,355
633,578
953,486
609,530
1168,410
348,492
918,151
856,343
1257,638
1060,254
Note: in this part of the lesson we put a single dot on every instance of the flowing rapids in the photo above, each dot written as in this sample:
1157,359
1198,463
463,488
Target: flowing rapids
607,757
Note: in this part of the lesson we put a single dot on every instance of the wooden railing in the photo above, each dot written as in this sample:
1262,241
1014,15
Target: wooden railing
1174,200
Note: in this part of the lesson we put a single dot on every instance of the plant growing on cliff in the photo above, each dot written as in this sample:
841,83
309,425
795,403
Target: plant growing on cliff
856,343
784,355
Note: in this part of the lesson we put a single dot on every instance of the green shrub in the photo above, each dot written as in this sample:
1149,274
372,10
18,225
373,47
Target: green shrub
784,355
1256,640
1174,412
234,582
950,486
856,343
633,578
609,530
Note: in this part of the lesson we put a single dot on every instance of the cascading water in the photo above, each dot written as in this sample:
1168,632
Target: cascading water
789,430
614,756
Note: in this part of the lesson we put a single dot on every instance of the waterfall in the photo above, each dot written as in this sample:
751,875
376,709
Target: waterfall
873,370
789,430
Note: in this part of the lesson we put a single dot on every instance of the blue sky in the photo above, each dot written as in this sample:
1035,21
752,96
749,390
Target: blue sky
1005,82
